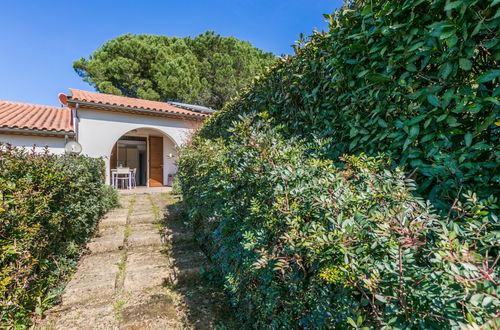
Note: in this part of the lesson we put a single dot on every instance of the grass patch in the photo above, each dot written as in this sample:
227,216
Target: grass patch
118,307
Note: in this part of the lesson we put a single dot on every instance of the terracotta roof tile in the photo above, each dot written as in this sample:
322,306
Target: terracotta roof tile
129,102
35,117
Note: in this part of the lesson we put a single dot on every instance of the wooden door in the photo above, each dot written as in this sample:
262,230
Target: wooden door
113,158
155,161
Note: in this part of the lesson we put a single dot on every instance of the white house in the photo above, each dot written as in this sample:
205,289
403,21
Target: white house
123,131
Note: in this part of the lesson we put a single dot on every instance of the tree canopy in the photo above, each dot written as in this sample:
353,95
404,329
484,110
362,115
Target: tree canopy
208,69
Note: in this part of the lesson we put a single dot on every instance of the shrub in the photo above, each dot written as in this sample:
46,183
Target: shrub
49,206
109,197
304,243
176,187
307,236
417,80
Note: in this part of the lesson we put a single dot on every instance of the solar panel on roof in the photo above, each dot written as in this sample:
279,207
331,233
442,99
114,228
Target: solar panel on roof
197,108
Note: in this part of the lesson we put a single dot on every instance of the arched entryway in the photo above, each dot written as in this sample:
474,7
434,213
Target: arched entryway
149,151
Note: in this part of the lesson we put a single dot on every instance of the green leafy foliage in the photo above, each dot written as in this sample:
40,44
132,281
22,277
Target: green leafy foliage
417,80
208,69
305,242
49,206
297,189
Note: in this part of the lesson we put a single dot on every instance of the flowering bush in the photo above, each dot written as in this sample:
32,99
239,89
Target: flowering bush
304,242
49,206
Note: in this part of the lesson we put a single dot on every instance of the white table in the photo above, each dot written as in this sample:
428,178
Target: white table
124,171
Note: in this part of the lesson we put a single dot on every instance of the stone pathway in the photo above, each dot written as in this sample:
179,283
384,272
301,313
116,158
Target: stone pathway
140,275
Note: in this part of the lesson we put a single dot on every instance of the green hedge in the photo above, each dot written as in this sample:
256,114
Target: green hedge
302,243
49,206
306,236
416,79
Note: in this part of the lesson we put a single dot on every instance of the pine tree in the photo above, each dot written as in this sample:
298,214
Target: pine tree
208,69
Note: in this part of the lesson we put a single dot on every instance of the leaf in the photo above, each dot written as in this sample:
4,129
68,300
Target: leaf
416,120
433,100
492,100
353,132
488,76
447,33
381,298
465,64
382,123
437,28
453,5
351,322
414,130
468,139
415,46
407,143
475,299
442,117
446,70
477,28
487,122
353,144
487,300
411,67
452,121
427,137
377,77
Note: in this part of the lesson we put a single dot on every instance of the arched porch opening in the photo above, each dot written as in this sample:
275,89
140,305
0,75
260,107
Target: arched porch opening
151,152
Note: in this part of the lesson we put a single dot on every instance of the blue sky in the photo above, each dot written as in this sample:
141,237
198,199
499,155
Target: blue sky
40,39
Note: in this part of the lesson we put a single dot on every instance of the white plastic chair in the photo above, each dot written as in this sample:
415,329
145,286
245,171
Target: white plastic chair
123,174
133,181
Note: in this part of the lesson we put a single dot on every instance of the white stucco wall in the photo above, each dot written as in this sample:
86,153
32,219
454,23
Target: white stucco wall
98,131
55,144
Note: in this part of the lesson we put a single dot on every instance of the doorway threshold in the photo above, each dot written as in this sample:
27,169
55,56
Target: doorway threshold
144,190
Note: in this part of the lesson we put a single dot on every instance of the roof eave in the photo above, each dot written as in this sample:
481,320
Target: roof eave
132,109
30,131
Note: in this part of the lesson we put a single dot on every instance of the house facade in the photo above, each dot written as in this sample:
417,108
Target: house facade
124,131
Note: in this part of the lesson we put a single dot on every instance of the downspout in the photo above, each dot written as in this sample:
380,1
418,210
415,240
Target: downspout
76,122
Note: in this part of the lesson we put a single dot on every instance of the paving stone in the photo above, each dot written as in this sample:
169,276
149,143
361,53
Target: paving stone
155,311
106,232
122,212
142,208
144,235
143,218
91,317
108,243
146,267
113,221
94,279
142,201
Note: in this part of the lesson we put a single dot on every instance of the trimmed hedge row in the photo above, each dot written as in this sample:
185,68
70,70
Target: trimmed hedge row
417,80
308,237
49,206
303,243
